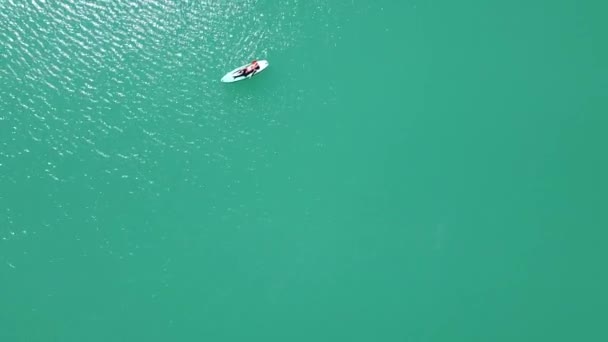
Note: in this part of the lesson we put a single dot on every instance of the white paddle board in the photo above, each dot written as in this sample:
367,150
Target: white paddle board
233,76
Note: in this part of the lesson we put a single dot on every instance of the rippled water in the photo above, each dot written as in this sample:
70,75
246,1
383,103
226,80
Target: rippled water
99,92
403,171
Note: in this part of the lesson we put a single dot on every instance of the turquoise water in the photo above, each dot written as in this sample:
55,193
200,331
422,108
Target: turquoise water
403,171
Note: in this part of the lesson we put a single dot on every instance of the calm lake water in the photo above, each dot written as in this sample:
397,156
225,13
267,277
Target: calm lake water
403,171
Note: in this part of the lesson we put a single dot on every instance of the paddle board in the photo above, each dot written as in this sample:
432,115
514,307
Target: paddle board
234,77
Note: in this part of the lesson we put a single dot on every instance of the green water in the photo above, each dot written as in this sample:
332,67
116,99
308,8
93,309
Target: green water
403,171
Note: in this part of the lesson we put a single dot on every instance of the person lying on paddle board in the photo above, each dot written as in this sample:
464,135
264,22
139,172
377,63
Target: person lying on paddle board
249,70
